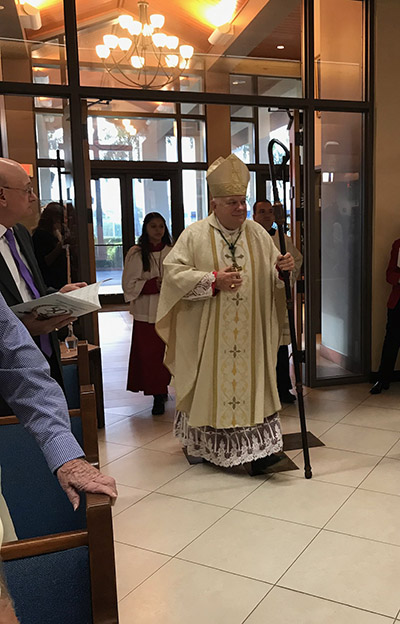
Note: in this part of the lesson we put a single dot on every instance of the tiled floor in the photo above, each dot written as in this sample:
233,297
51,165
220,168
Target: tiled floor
208,546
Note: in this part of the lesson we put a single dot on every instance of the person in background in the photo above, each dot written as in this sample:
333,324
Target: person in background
218,318
391,343
49,242
263,213
141,283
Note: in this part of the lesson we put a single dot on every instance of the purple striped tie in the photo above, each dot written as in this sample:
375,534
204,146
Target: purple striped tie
24,272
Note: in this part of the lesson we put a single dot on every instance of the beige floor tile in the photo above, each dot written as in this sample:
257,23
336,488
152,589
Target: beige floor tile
136,431
283,606
306,501
133,566
163,523
291,424
317,408
183,593
351,570
394,451
108,452
384,478
376,417
209,484
369,514
146,469
127,496
255,546
341,467
388,398
354,393
360,439
166,443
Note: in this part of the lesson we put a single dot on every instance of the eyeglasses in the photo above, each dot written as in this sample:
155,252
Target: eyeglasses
30,190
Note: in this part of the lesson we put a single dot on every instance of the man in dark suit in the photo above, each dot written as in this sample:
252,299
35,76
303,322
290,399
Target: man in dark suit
20,277
391,343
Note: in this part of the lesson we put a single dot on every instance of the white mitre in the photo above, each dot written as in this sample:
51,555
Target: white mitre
228,176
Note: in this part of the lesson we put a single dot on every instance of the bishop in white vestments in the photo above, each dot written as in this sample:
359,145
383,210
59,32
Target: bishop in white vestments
218,318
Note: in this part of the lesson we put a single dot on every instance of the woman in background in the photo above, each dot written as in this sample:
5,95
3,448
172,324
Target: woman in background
49,241
141,283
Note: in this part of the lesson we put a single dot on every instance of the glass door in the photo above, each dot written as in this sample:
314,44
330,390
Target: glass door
120,202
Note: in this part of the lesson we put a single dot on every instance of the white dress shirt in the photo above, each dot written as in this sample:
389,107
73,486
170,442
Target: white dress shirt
10,262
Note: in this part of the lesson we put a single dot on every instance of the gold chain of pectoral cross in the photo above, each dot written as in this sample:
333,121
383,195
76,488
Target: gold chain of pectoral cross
232,249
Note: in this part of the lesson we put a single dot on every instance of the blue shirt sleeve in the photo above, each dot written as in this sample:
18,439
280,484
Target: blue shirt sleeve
36,399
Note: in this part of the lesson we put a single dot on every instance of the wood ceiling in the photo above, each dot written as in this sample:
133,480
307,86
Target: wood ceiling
185,18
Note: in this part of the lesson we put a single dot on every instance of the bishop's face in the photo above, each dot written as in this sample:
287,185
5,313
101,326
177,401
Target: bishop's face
230,211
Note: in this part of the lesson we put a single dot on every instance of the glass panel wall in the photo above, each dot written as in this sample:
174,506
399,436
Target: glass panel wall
32,42
107,229
340,213
339,49
195,202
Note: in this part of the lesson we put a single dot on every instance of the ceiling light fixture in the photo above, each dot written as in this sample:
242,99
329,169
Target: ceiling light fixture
280,47
221,35
29,15
153,54
221,13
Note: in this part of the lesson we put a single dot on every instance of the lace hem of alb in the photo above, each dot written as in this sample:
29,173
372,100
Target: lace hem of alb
233,446
203,289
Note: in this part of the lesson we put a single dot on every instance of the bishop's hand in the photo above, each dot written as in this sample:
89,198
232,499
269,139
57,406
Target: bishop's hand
228,279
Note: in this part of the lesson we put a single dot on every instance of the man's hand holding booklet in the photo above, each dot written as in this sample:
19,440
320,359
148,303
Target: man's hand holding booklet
73,303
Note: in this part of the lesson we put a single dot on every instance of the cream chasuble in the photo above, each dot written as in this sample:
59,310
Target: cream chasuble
222,350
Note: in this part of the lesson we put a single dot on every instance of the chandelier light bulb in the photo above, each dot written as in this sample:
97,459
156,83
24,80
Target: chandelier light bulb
221,13
172,42
111,41
102,51
124,43
159,39
183,64
172,60
126,123
131,130
186,51
135,28
157,20
147,30
125,21
137,62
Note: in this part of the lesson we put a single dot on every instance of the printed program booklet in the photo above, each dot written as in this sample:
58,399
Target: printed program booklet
76,303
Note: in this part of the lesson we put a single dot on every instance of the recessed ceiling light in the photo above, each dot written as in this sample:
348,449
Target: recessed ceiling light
280,47
2,7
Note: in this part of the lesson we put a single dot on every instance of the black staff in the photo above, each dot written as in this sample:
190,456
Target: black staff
280,221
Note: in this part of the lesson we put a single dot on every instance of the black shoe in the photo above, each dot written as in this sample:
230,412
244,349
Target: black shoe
287,397
379,386
259,466
158,405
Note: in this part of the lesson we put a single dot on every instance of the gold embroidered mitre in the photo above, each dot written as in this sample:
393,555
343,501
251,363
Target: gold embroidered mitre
228,176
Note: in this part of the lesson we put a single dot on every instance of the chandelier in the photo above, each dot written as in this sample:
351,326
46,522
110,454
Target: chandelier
153,54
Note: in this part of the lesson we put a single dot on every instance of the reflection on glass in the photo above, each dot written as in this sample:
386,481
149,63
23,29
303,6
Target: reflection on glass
251,194
242,111
49,134
271,125
338,165
193,140
242,140
137,139
150,196
49,186
192,109
240,85
339,49
106,206
281,87
195,203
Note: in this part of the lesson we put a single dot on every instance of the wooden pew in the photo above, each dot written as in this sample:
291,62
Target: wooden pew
66,578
